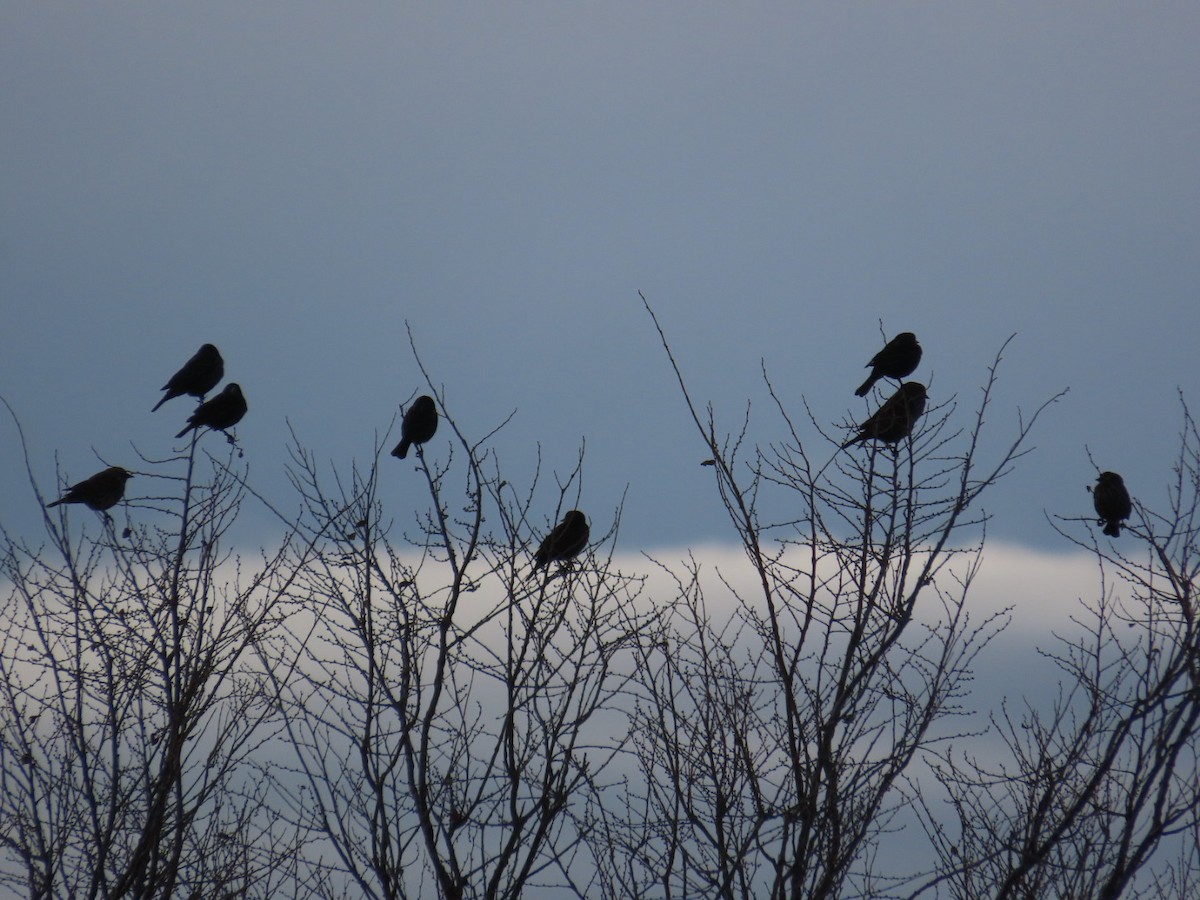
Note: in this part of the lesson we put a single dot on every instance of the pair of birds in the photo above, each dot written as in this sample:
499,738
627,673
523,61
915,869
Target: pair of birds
893,421
197,377
564,542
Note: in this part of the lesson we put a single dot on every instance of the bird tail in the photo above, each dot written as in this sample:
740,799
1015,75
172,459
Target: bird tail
538,561
853,440
54,504
866,385
1113,529
401,450
185,431
164,399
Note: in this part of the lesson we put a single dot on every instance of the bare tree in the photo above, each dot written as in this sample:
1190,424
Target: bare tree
449,708
1095,786
384,710
778,738
129,716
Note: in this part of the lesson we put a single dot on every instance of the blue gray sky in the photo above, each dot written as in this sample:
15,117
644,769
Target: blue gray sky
295,181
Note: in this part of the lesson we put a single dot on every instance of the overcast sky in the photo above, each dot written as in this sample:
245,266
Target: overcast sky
293,181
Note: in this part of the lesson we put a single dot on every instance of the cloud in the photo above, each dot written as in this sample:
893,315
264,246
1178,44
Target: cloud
1042,587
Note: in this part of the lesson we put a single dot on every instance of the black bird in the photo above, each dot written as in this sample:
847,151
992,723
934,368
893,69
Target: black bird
102,491
564,541
417,426
199,375
221,412
897,359
1112,502
894,420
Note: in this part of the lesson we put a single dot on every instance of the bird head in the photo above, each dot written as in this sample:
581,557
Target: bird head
574,516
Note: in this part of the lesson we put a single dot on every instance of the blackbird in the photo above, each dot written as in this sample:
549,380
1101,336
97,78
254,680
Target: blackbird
1112,502
102,491
564,541
897,359
417,426
894,420
198,376
221,412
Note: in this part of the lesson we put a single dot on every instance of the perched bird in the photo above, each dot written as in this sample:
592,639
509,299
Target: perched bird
564,541
1112,502
199,375
221,412
102,491
897,359
417,426
894,420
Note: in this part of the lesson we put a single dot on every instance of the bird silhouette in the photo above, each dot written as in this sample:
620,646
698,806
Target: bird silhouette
221,412
894,420
417,426
199,375
564,541
102,491
1112,502
898,359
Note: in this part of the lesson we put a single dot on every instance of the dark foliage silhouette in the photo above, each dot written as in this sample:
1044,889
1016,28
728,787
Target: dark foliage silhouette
418,425
894,420
898,359
199,375
565,540
1112,503
221,412
102,491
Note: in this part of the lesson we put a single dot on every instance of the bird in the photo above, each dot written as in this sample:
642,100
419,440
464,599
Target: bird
1112,502
417,426
199,375
894,420
102,491
565,540
221,412
898,359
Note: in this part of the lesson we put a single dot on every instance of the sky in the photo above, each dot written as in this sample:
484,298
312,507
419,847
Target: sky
297,182
300,182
